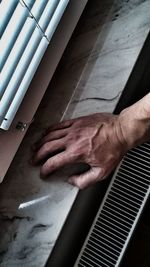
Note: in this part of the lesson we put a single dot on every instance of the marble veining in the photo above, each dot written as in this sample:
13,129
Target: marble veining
111,60
90,78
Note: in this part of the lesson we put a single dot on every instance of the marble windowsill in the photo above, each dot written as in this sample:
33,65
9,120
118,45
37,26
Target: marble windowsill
90,78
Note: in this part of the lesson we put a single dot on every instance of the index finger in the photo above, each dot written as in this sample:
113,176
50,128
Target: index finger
56,162
59,126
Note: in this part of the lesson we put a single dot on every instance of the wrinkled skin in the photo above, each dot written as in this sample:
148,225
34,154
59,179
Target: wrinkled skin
95,139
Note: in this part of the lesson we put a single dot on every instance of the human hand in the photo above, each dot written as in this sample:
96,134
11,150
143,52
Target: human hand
95,139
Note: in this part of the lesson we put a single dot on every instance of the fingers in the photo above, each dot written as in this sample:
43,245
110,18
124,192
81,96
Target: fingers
88,178
51,136
56,162
48,149
59,126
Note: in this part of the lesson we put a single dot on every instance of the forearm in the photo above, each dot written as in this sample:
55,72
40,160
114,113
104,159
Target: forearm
135,122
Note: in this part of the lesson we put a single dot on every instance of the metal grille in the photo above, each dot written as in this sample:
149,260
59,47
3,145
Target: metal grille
119,212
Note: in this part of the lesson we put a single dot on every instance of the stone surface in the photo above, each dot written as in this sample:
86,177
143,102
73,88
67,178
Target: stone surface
90,78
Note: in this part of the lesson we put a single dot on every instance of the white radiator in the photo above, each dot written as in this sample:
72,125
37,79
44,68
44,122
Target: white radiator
26,28
119,212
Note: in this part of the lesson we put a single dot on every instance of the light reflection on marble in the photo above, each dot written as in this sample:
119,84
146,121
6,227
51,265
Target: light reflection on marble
90,78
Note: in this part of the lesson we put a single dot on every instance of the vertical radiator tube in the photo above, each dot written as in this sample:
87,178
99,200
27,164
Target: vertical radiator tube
56,18
38,9
25,84
16,54
29,74
6,13
19,72
29,3
48,13
12,31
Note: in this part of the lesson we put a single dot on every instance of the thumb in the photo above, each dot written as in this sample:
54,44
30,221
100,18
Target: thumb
90,177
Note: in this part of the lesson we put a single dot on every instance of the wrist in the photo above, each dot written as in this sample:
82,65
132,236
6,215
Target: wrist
135,122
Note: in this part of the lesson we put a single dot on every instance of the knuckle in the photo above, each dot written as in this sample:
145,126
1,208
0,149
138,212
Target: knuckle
75,155
48,165
47,168
71,137
45,147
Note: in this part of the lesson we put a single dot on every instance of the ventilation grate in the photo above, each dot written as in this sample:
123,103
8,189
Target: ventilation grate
119,212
